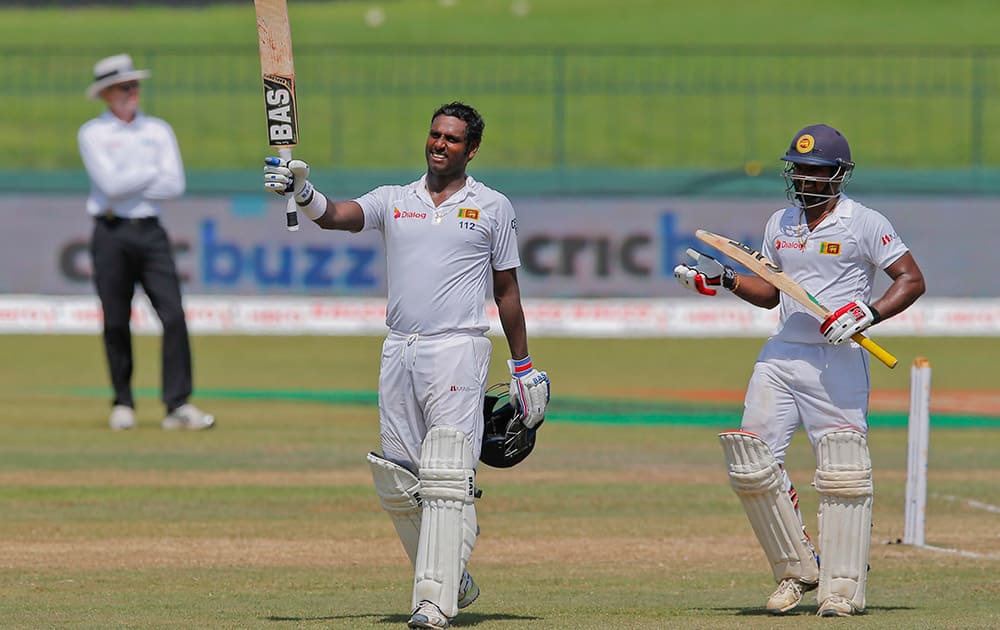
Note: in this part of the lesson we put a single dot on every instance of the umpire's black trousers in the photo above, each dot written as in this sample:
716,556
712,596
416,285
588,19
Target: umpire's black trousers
126,252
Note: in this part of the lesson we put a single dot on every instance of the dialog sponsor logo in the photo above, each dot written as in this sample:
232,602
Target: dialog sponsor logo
782,244
406,214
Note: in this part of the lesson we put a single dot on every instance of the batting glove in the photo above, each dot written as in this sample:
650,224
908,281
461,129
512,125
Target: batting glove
847,321
706,273
288,176
529,391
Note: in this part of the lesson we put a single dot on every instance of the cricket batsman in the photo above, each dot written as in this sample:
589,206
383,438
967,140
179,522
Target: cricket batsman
446,235
811,374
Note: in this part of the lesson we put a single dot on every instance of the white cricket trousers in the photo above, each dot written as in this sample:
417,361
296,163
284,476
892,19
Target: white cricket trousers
820,387
428,381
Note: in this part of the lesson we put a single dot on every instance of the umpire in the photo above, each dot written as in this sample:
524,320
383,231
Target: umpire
134,162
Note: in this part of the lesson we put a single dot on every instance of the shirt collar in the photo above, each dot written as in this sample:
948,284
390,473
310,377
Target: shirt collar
460,195
109,117
844,207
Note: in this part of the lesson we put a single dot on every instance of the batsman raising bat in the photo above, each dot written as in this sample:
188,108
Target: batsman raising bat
812,374
446,237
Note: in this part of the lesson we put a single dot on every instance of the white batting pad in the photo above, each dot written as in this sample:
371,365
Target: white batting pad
844,485
399,492
448,531
757,479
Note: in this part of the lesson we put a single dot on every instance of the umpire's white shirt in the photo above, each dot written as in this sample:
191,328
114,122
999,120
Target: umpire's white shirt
131,165
836,262
439,259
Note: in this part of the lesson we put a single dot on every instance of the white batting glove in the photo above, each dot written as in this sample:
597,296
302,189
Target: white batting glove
529,391
288,176
847,321
706,273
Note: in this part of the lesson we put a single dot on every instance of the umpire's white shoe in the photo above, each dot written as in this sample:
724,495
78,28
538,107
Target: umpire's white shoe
788,595
468,590
428,615
836,606
189,417
122,418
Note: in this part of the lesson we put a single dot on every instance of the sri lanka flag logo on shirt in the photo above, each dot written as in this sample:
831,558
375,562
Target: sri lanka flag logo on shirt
468,213
832,249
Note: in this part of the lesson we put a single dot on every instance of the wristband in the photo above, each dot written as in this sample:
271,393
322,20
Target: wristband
304,196
520,367
876,316
729,279
314,206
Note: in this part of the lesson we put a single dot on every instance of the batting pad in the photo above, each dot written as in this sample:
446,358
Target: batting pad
844,485
756,478
399,492
448,531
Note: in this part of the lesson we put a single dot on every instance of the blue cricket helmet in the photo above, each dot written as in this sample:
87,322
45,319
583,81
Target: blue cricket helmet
816,145
821,145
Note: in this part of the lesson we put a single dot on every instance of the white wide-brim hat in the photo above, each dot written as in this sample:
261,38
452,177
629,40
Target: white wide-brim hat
112,70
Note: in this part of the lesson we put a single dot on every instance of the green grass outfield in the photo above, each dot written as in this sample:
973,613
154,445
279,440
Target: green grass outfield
270,521
689,99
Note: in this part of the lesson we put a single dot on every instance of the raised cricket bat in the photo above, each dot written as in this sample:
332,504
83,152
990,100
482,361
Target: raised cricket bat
277,70
772,273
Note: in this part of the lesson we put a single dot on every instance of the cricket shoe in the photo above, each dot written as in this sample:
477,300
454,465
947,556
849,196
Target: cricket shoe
428,615
189,417
836,606
788,595
122,418
468,590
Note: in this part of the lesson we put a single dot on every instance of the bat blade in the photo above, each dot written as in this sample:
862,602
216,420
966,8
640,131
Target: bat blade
760,265
772,273
277,66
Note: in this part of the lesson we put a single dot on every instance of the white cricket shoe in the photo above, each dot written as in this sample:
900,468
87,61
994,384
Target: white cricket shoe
122,418
788,595
189,417
468,590
428,615
836,606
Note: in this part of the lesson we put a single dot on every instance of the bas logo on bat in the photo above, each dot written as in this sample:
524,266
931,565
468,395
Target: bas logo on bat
279,99
760,257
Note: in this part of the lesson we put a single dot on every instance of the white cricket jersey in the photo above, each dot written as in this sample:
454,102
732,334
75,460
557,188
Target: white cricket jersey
439,259
836,262
131,165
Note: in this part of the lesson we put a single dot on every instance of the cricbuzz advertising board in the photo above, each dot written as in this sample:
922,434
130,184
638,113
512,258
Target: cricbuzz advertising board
570,248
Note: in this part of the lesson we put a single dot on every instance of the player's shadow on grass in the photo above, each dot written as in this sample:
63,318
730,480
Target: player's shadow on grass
802,610
464,620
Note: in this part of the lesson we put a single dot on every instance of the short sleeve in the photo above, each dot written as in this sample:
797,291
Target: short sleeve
373,205
879,242
504,246
771,231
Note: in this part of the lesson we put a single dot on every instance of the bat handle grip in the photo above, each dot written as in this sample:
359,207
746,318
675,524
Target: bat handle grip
877,351
291,210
